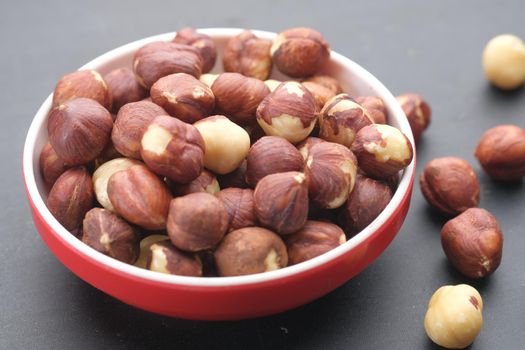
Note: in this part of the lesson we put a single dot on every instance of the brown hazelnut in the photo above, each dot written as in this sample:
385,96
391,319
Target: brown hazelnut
289,112
418,112
473,242
501,152
71,197
331,170
145,243
183,96
236,178
281,201
107,233
197,221
270,155
375,108
208,79
79,130
124,87
82,83
300,52
51,165
450,185
314,239
328,82
107,154
205,182
321,94
272,84
382,150
341,118
255,132
238,96
249,55
140,197
202,42
240,207
164,257
305,146
250,250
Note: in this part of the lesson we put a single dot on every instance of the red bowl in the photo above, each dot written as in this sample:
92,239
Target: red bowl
220,298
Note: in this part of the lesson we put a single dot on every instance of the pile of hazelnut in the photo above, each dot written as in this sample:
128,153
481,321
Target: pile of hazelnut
179,171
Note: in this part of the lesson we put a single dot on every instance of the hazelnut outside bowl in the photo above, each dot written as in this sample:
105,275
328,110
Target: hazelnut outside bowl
220,298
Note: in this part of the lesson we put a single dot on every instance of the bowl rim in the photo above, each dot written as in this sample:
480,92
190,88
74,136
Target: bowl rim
74,243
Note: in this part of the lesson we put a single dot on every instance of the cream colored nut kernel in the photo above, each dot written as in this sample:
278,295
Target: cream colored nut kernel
504,61
287,127
454,316
397,149
208,79
272,84
145,244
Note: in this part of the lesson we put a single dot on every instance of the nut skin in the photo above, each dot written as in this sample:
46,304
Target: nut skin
501,152
305,146
145,243
375,108
418,113
79,130
314,239
164,257
51,165
450,185
328,82
330,169
270,155
281,201
107,233
71,197
183,96
321,94
248,55
382,150
107,154
202,42
197,221
240,207
236,178
238,96
289,112
341,118
205,182
124,87
504,61
255,132
473,242
140,197
82,84
173,149
300,52
250,250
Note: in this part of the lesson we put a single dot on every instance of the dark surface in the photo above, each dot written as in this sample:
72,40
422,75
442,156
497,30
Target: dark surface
411,46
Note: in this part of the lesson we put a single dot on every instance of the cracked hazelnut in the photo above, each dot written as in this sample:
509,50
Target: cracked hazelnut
328,82
124,87
300,52
240,207
208,79
79,130
321,94
250,250
205,182
236,178
145,243
375,108
418,113
197,221
281,201
305,146
248,55
473,242
202,42
164,257
501,152
51,165
504,61
450,185
82,84
272,84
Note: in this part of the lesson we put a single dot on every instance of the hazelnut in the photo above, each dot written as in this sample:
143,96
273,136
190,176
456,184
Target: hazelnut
255,132
107,233
140,197
272,84
504,61
450,185
173,149
375,108
238,96
289,112
418,113
79,130
183,96
82,83
501,152
107,154
145,243
331,171
51,165
165,258
208,79
270,155
202,42
328,82
226,143
71,197
473,242
305,146
249,55
382,150
341,118
281,201
314,239
453,319
131,122
197,221
205,182
321,94
300,52
124,87
239,205
236,178
250,250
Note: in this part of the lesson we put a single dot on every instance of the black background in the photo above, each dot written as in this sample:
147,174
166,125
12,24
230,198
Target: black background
430,48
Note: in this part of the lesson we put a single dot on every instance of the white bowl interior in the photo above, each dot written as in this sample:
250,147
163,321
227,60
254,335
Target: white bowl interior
355,80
